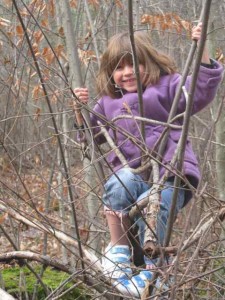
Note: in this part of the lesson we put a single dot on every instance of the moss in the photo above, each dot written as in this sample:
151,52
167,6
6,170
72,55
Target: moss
51,278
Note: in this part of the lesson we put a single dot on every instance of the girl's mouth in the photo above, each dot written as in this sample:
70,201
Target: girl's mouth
129,80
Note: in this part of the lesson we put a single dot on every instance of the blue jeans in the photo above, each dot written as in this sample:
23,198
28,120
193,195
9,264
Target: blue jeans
124,188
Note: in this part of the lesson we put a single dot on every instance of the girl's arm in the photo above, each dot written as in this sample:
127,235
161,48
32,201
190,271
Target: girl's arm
209,77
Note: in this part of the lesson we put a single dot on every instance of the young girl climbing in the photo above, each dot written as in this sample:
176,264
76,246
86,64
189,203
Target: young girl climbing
117,86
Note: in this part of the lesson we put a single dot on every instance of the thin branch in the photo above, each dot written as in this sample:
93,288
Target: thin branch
136,65
147,120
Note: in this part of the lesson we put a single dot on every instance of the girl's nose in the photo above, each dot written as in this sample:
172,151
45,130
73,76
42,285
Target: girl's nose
128,70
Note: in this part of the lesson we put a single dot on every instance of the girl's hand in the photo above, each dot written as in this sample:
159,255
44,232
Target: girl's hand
196,35
196,32
82,94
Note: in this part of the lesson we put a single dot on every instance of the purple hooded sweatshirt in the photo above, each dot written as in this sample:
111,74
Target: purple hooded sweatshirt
157,102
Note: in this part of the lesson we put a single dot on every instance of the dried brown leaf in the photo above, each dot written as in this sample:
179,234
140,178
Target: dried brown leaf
145,19
87,36
3,217
48,55
38,36
7,3
44,23
37,92
37,114
61,31
220,56
51,7
59,50
54,99
94,2
37,158
86,56
19,30
73,3
119,4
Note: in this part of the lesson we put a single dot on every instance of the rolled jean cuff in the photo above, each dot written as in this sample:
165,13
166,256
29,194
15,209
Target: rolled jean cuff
109,211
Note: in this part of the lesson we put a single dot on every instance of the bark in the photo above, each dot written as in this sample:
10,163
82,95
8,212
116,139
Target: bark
220,153
219,117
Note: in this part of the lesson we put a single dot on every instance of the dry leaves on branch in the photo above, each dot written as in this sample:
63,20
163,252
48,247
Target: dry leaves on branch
119,4
167,21
73,3
220,56
37,92
94,2
86,56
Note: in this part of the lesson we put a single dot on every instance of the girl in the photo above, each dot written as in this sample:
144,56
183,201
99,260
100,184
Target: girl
117,86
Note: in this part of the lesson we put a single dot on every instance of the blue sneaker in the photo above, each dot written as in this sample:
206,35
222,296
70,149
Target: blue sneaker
116,262
136,285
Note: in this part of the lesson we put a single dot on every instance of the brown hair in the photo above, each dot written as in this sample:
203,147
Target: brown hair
119,50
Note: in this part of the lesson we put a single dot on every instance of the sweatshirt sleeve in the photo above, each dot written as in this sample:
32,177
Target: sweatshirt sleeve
205,90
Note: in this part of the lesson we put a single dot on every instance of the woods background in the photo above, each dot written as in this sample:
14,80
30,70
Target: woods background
50,192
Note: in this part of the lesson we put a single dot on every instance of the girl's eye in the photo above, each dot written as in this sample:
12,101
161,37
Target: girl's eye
119,67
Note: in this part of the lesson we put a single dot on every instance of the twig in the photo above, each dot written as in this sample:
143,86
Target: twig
113,145
146,120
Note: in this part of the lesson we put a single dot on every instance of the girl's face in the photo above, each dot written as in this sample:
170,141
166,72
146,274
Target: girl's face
125,78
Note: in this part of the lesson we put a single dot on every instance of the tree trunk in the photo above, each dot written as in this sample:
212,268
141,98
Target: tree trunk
76,80
219,128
